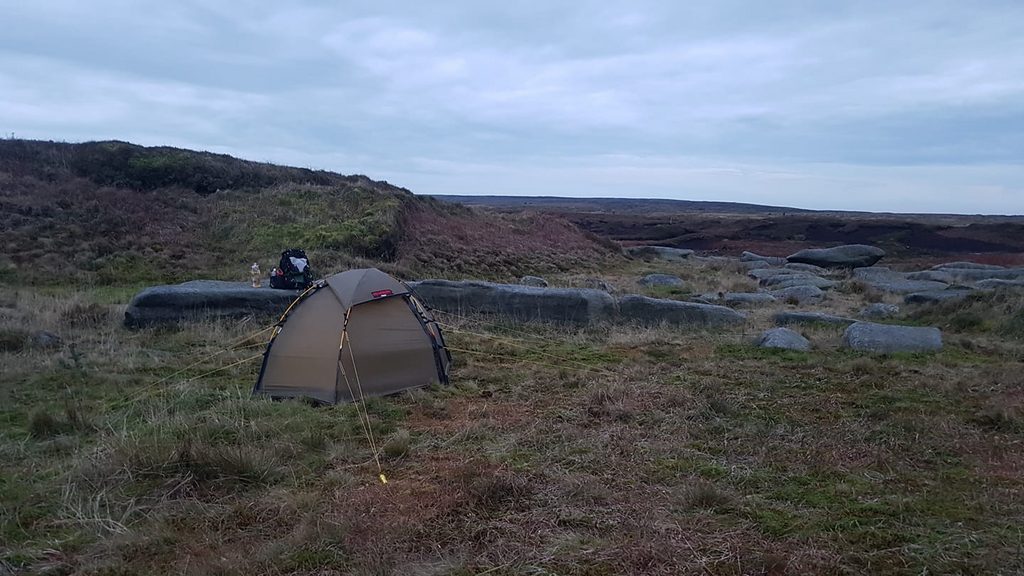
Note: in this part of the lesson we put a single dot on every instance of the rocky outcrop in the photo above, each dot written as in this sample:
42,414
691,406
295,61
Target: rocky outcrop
660,252
534,281
880,310
772,260
526,303
783,338
577,306
885,338
787,318
660,280
653,311
849,256
204,299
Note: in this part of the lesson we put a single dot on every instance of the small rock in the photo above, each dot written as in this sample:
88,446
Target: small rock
772,260
598,284
756,264
935,296
885,338
661,252
534,281
45,339
712,259
787,318
762,273
849,256
908,286
11,313
738,297
880,310
809,268
783,338
660,280
800,294
877,274
932,275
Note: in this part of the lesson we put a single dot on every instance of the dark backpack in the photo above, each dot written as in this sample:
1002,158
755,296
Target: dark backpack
294,272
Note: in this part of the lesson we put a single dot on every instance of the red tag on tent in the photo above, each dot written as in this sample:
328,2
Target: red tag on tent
380,293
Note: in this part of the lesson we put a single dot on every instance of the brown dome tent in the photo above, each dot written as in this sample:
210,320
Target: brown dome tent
355,334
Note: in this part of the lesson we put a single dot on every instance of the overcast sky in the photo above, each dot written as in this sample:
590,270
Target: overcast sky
887,106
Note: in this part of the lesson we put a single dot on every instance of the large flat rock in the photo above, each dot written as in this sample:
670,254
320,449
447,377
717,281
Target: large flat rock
800,279
580,306
848,256
886,338
201,299
652,311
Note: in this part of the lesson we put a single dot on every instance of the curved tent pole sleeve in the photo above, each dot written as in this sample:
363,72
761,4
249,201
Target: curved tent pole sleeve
422,311
417,309
419,299
341,347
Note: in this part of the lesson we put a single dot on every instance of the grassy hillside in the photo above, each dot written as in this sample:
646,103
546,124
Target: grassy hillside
117,213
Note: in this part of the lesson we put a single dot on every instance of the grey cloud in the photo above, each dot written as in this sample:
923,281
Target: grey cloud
443,94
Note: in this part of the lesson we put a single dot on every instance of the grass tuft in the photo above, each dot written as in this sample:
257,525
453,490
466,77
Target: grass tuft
398,445
43,424
13,339
707,496
492,491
